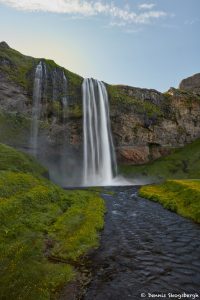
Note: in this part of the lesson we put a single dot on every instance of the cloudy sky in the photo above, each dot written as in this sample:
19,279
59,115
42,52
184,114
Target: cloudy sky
144,43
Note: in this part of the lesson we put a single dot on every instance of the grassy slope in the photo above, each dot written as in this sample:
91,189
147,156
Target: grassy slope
181,196
21,66
18,67
40,221
13,160
183,163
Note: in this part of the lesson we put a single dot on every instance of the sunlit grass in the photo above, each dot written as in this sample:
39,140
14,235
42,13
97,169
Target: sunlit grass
38,221
180,196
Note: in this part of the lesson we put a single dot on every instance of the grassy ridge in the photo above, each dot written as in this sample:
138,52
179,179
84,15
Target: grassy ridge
180,196
118,96
17,66
20,68
13,160
40,221
182,163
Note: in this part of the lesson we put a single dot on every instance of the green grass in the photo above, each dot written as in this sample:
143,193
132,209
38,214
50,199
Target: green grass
182,163
13,160
44,230
180,196
19,67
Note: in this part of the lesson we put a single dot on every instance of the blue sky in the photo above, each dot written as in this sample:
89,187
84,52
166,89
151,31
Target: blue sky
152,44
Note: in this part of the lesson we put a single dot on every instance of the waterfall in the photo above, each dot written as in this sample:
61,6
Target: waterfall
64,98
64,156
36,107
99,165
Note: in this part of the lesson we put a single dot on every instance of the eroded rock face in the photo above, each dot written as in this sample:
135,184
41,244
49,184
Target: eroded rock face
13,98
146,124
140,137
142,94
191,84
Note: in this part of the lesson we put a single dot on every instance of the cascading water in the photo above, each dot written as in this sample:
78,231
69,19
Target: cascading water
99,165
64,156
37,95
64,98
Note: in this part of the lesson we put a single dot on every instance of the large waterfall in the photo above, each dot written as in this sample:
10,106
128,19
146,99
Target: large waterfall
99,165
37,95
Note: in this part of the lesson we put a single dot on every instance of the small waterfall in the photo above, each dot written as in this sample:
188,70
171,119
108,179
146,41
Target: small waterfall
64,156
36,107
99,166
64,98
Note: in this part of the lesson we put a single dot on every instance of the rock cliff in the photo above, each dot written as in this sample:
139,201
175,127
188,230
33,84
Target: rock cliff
146,124
191,84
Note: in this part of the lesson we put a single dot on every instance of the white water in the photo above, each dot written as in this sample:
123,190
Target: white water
63,161
64,98
99,165
36,107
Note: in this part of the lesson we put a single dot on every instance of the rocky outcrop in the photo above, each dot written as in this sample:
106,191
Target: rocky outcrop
4,45
191,84
146,124
13,98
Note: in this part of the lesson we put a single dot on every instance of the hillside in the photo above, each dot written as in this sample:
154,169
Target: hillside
45,231
182,163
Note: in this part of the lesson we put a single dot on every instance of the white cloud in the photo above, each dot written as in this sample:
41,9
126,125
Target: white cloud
87,8
146,6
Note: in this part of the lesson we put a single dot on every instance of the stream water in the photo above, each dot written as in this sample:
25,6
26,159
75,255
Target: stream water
144,249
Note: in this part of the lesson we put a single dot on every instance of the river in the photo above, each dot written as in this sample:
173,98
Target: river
144,249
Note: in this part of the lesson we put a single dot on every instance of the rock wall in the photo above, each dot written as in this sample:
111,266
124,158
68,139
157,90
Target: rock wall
146,124
191,84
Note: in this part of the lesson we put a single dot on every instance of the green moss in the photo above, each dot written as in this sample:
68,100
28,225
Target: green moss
27,208
182,163
75,231
75,111
38,223
180,196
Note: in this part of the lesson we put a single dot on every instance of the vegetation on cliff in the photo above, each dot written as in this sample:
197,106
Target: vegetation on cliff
20,69
17,66
182,163
44,229
119,97
180,196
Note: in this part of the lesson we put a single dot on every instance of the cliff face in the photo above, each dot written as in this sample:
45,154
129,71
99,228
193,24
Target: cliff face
191,84
146,124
